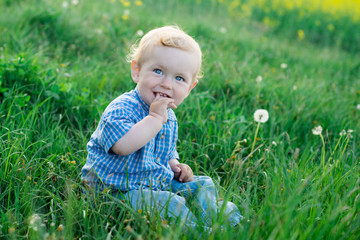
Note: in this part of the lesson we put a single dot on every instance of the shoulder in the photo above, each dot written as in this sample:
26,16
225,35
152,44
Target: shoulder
125,104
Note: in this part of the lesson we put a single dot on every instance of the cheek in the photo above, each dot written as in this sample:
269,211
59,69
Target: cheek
181,95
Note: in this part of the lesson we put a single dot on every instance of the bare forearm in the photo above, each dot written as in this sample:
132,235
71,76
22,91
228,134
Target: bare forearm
138,136
173,162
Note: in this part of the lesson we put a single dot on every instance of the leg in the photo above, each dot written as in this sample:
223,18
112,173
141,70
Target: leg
204,191
203,188
167,204
231,211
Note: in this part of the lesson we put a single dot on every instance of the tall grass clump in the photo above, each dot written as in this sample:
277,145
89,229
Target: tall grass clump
295,176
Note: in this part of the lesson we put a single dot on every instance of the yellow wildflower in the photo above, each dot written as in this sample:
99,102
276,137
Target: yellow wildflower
331,27
11,230
60,228
266,21
125,3
301,34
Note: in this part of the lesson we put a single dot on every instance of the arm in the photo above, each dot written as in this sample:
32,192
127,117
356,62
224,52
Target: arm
142,132
182,172
138,136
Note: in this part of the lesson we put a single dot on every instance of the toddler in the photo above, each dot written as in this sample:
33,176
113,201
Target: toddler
133,149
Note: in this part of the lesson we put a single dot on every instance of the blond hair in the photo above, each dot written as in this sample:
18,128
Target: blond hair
169,36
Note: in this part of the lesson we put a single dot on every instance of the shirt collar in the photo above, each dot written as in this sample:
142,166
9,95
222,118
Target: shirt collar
144,105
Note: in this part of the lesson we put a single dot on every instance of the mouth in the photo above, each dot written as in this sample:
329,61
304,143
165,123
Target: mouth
161,94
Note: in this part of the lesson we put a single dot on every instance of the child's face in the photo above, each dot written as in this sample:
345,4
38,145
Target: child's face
166,71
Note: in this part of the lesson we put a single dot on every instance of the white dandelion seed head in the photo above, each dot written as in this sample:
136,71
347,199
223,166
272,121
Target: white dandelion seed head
294,87
34,219
140,33
223,30
261,115
75,2
358,107
99,31
65,4
258,79
343,132
274,143
126,12
317,130
283,65
245,140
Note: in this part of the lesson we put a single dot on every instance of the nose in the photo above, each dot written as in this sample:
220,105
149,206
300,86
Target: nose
167,82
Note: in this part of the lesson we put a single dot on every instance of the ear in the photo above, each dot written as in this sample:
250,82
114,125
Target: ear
194,84
135,70
191,87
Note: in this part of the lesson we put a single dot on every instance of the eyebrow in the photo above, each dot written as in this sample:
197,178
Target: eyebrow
160,66
183,75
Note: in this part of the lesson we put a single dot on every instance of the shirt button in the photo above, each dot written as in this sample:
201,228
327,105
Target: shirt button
158,159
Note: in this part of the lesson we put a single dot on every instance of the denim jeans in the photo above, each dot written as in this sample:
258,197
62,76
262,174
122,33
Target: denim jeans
172,203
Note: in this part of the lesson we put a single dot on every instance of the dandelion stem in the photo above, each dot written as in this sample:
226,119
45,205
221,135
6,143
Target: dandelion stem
236,149
337,144
256,133
347,142
323,151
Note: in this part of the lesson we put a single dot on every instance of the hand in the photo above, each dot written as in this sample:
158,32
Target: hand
183,173
159,106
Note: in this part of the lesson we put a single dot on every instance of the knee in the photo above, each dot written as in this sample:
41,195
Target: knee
176,199
206,181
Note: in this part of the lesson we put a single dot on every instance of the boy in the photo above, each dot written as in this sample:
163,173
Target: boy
133,150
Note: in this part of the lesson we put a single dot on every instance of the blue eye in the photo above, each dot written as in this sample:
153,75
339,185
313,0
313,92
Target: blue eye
178,78
157,71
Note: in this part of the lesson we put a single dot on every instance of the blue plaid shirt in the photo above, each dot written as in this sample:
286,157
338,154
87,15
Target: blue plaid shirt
146,168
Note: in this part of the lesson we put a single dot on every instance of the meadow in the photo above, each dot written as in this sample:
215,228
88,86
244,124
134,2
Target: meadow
63,62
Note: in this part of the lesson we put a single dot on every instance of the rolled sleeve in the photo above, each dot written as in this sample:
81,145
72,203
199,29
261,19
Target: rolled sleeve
114,127
174,155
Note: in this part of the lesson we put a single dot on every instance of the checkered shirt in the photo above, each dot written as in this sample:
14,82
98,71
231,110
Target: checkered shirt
146,168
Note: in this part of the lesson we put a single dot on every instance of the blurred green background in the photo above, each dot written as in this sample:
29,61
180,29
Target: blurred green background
62,62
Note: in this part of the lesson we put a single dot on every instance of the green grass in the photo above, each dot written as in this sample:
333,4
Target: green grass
60,68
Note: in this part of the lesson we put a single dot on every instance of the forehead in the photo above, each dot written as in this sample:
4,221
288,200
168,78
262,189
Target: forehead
174,58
